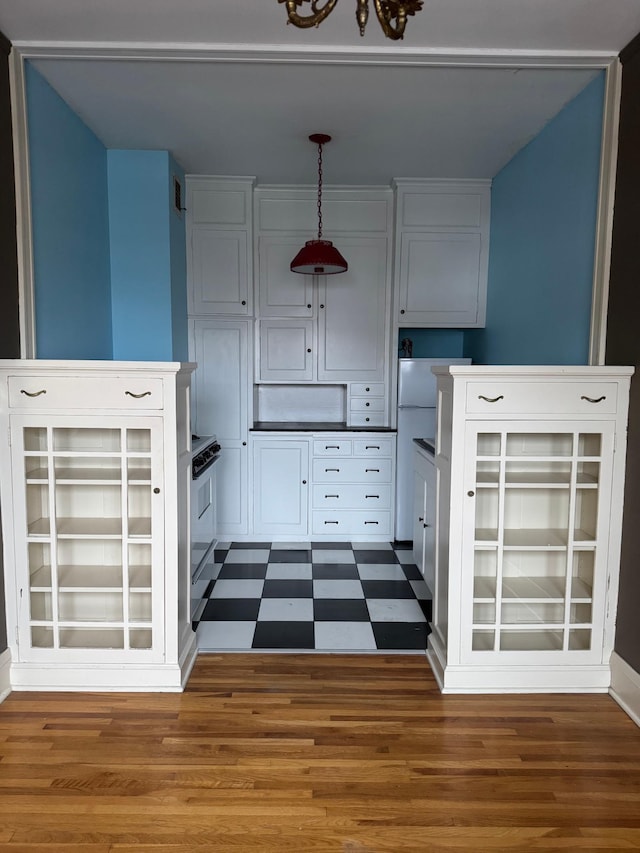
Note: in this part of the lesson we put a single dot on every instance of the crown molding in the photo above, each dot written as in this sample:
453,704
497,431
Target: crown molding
347,55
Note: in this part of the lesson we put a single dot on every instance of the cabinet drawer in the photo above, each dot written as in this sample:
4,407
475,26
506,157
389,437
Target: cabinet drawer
351,470
367,389
62,392
352,496
351,522
360,419
331,447
372,447
549,398
362,404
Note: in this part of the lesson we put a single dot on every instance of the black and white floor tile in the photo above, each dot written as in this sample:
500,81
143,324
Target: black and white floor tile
329,596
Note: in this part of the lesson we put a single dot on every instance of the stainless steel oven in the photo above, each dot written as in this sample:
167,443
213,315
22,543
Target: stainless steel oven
205,453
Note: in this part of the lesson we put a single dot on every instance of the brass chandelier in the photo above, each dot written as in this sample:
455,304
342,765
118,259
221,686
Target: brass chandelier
392,14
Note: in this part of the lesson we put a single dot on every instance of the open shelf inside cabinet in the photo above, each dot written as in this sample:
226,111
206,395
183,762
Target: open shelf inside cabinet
89,528
535,534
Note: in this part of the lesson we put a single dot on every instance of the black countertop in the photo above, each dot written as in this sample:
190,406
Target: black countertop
313,426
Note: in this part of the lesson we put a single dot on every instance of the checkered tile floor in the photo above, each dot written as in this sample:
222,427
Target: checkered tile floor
329,596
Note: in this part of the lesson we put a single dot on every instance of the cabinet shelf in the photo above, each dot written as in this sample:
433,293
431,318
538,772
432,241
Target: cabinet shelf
531,589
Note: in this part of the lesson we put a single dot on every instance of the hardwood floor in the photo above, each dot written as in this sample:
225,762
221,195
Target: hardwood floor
297,753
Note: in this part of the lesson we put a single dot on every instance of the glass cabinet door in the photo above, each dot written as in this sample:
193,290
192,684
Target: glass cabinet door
93,531
538,504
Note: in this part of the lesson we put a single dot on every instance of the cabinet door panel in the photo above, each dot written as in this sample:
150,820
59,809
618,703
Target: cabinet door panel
281,477
219,272
231,483
285,350
221,349
221,379
352,323
440,278
282,293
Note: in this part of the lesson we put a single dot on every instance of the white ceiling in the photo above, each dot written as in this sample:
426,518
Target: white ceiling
230,89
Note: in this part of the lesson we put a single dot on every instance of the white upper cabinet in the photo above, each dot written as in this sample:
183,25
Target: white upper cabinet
219,247
323,328
352,318
282,293
442,252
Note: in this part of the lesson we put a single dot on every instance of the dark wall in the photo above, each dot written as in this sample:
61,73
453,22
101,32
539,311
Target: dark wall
623,340
9,318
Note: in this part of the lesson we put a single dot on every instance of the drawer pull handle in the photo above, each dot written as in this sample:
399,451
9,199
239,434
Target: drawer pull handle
332,447
371,470
32,393
373,496
332,496
328,470
490,399
372,522
138,396
592,399
332,522
372,447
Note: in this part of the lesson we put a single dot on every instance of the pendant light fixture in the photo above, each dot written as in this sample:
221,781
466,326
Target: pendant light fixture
319,257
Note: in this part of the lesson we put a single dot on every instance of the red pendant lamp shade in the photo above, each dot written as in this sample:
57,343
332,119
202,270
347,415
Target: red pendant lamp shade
319,257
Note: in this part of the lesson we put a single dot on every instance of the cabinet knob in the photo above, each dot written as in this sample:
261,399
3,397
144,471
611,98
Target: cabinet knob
402,310
420,519
367,403
471,494
308,305
156,491
309,349
367,419
367,389
244,443
322,306
304,482
425,525
244,302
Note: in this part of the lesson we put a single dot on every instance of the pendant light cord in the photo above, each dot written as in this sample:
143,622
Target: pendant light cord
319,191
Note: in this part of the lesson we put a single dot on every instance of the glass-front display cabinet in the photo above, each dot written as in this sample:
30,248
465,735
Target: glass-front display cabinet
95,480
533,464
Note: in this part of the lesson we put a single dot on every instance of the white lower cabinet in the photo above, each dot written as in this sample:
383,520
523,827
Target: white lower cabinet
528,543
424,515
280,487
324,485
221,384
96,526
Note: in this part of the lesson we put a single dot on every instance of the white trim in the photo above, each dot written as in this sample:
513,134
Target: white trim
604,223
24,233
625,687
346,55
5,674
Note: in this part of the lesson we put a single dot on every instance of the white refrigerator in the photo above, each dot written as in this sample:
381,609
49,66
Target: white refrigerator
416,419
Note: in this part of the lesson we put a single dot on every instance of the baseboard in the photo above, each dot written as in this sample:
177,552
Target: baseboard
625,687
5,674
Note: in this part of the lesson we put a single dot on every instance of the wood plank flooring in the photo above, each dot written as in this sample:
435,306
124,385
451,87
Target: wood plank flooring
308,753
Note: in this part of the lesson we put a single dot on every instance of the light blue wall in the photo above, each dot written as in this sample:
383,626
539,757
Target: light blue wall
178,249
140,255
68,165
543,217
109,250
434,343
